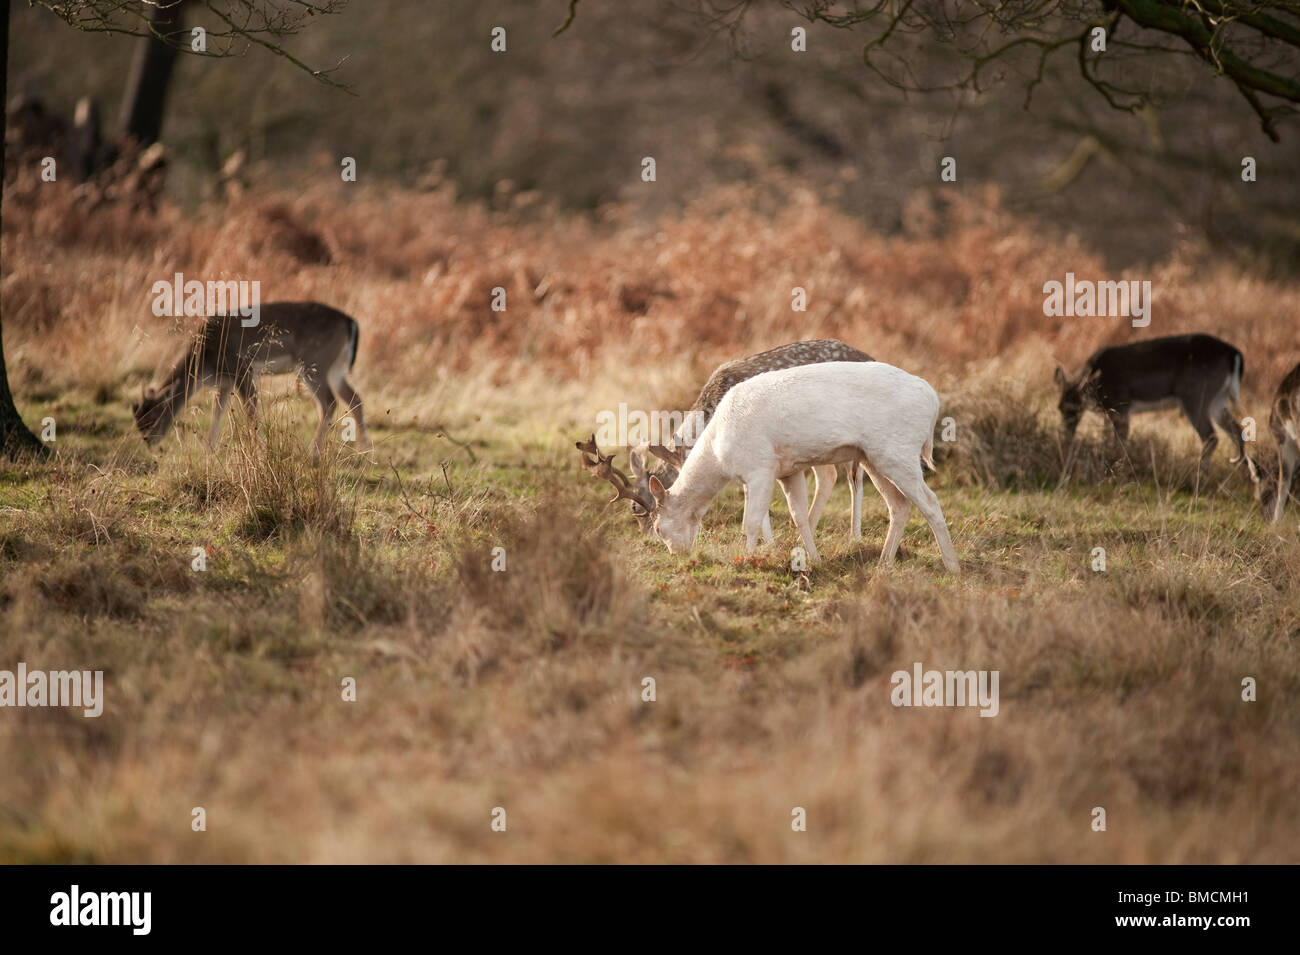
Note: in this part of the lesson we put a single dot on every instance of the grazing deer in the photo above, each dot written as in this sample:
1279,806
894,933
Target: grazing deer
317,342
724,378
1197,373
771,428
1284,422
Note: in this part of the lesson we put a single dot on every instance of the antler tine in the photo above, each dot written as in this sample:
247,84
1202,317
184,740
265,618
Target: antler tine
603,467
590,447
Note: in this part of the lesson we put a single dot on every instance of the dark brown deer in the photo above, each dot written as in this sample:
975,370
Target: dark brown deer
1272,490
724,378
1198,374
317,342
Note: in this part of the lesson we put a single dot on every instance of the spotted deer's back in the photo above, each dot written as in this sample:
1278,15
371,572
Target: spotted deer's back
727,376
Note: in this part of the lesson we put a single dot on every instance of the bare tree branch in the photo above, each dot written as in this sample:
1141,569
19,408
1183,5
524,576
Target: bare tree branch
236,25
1253,43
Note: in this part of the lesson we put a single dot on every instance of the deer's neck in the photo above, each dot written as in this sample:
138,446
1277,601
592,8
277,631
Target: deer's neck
185,379
700,480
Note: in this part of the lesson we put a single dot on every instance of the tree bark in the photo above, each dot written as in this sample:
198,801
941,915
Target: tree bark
15,438
151,72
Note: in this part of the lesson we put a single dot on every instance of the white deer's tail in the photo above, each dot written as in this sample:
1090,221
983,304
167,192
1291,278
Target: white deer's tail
1234,382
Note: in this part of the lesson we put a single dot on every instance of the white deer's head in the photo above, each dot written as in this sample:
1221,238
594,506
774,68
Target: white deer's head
674,522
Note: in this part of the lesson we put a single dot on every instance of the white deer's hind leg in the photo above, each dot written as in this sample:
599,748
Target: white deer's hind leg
824,476
796,498
758,498
899,509
911,482
218,409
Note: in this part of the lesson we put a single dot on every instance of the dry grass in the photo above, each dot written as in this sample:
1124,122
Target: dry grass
522,688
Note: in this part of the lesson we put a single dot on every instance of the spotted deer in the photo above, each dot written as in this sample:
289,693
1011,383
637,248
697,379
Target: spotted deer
1198,374
769,429
316,342
671,457
1272,490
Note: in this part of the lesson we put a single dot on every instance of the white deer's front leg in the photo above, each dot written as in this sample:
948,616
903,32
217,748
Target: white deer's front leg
758,498
855,529
824,476
796,498
764,532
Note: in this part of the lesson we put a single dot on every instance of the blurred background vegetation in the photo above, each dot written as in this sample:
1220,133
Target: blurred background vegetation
570,118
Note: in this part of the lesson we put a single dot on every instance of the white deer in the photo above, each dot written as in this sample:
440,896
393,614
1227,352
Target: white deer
725,377
772,427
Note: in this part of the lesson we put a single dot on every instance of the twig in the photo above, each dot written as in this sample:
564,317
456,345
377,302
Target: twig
463,445
573,9
402,488
438,431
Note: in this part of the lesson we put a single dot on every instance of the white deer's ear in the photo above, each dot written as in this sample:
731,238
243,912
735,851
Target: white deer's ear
1060,378
657,489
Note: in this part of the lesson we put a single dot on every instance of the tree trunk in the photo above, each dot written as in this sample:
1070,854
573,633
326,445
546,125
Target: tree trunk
151,71
15,439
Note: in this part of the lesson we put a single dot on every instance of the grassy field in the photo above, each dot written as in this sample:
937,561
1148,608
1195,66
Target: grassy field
522,689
